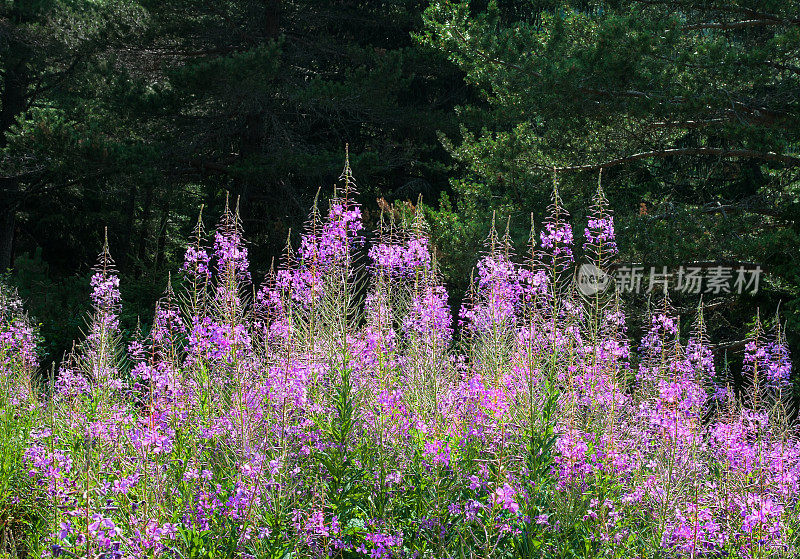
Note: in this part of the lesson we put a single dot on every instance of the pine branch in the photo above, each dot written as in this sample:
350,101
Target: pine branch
787,160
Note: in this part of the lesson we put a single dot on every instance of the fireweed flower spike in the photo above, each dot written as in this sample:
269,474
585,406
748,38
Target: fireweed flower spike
601,243
556,235
336,413
766,360
18,350
498,290
196,270
100,350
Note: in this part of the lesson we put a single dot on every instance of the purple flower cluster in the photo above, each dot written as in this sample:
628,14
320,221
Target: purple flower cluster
337,236
767,361
499,294
600,233
401,259
230,254
18,346
106,298
18,350
557,240
196,263
429,315
600,239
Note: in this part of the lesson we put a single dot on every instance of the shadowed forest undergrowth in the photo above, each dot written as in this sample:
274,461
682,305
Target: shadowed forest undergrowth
333,412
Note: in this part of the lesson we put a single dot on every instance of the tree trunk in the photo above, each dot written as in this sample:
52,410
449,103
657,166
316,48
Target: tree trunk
12,104
143,229
8,218
162,235
127,229
252,144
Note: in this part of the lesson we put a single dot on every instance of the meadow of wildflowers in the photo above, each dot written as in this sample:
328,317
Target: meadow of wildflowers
332,412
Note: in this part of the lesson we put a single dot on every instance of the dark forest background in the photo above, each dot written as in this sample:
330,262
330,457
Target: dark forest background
131,114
